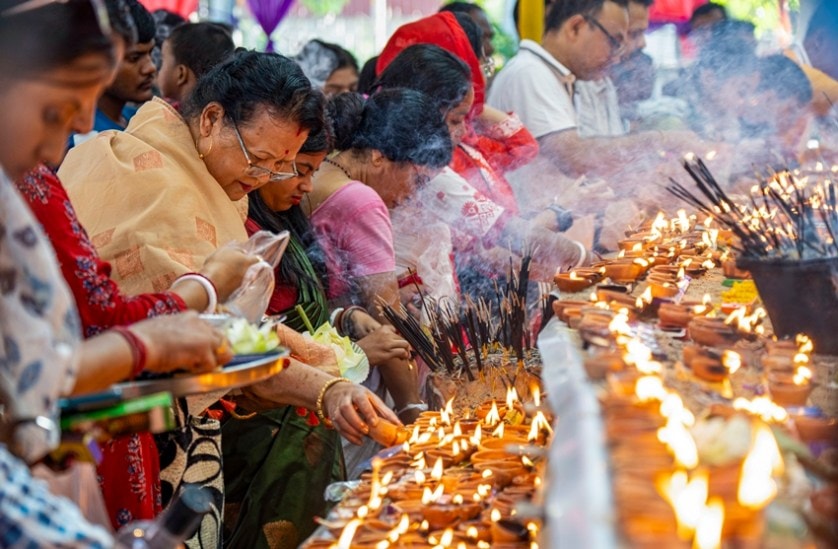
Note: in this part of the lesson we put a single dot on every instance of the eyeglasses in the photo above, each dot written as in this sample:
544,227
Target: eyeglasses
616,44
99,10
258,172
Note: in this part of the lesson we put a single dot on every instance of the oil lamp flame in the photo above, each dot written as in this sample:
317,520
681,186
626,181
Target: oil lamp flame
345,540
680,442
511,398
436,472
535,391
763,407
708,533
731,360
649,388
419,477
574,276
431,496
756,485
802,375
498,433
495,515
493,417
687,499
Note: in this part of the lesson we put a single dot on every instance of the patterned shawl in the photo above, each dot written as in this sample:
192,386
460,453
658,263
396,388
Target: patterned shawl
147,200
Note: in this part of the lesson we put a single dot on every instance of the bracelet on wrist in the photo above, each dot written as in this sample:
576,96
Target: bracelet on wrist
346,327
335,316
139,352
321,415
207,284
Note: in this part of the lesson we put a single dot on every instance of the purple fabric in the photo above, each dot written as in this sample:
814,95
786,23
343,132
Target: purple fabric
269,13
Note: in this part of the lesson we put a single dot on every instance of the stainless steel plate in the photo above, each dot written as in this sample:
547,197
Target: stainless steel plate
230,378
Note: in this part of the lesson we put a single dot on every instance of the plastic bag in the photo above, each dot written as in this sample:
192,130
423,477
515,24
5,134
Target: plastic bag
251,298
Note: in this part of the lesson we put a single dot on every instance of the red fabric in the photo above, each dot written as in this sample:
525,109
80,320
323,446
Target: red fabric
184,8
130,470
482,160
442,30
673,11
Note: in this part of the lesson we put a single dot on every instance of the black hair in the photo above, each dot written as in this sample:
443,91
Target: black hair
707,9
473,32
402,124
562,10
461,7
146,27
248,80
432,70
727,58
48,37
366,78
344,57
122,22
646,3
784,77
200,46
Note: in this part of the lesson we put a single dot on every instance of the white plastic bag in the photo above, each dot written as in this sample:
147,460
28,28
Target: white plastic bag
251,298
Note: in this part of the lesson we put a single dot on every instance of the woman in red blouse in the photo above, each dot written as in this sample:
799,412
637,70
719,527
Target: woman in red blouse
129,471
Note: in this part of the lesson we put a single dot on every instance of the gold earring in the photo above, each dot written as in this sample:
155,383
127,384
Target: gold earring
200,154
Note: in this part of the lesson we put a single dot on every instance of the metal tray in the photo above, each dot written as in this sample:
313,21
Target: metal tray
229,378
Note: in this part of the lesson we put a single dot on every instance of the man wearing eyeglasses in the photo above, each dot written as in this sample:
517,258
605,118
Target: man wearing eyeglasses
597,107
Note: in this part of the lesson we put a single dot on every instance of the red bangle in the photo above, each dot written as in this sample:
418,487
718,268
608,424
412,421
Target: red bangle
139,353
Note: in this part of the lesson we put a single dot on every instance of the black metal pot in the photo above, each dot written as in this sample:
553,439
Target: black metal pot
799,297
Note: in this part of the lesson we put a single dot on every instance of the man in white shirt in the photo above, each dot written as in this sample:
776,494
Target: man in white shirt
597,105
582,39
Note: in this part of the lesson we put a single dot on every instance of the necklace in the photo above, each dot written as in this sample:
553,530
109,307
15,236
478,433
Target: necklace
338,166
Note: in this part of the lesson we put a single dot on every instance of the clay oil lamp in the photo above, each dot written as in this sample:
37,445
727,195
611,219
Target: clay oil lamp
611,296
624,271
680,314
790,390
572,282
599,364
635,243
594,274
710,364
712,332
563,307
730,270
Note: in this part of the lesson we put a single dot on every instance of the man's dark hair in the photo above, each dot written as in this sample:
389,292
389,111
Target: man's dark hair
200,46
707,9
473,32
249,80
647,3
562,10
144,21
785,78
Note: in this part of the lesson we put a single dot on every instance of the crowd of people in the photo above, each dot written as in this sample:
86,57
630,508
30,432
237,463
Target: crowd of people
137,150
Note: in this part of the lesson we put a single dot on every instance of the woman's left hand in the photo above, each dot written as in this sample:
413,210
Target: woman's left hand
363,324
353,408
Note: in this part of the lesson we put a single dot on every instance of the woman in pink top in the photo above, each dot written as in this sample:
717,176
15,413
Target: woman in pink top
390,144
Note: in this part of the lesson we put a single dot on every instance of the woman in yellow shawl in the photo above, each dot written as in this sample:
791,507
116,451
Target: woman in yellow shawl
159,197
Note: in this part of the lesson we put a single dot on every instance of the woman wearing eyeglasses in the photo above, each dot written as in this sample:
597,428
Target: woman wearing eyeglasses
161,196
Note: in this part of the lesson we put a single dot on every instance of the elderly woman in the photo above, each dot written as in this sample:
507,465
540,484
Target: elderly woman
390,145
164,199
55,60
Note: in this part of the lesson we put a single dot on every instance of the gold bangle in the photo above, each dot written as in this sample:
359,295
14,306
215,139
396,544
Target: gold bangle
326,386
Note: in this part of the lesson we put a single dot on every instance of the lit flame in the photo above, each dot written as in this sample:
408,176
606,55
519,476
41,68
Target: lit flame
802,375
471,532
493,417
436,472
708,533
763,407
536,395
477,436
574,276
539,423
686,498
457,499
431,496
680,442
672,407
731,360
527,461
804,344
706,300
498,433
619,324
649,388
487,473
495,515
511,398
756,485
419,477
637,247
646,296
345,540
